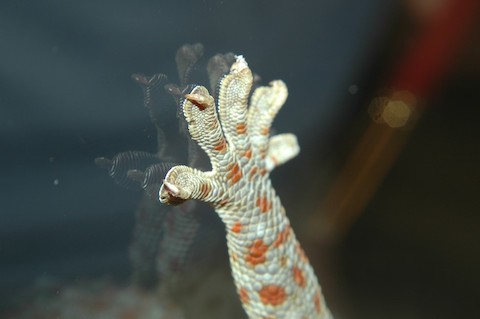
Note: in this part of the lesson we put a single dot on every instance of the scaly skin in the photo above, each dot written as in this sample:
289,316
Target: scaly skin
272,274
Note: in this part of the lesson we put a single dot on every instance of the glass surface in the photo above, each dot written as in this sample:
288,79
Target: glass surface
383,195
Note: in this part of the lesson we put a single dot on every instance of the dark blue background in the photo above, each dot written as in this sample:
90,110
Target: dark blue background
66,97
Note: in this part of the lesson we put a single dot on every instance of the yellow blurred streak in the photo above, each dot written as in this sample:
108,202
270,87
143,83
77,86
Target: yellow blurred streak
366,167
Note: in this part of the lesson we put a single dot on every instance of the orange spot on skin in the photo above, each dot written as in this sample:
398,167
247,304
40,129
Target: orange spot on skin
272,295
256,253
237,177
282,236
235,174
237,227
298,277
316,301
223,202
265,131
253,171
263,171
233,170
244,298
248,154
264,204
241,128
221,146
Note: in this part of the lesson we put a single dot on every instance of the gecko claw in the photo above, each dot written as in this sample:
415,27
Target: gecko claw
172,194
171,188
199,100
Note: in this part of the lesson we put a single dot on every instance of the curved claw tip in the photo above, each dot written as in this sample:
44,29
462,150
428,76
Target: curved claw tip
198,100
171,188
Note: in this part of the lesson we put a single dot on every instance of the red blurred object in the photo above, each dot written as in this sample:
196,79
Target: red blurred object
441,35
434,49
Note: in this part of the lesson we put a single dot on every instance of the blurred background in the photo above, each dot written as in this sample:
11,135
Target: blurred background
383,96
